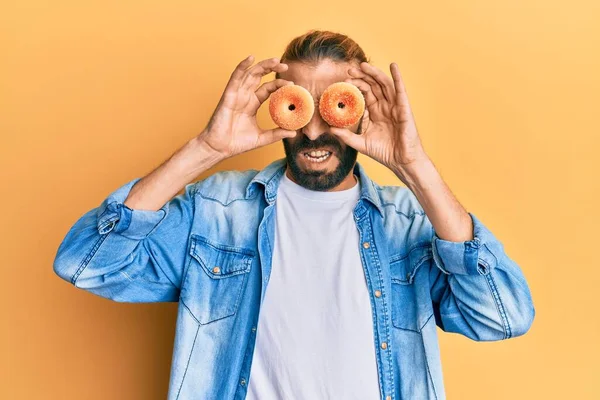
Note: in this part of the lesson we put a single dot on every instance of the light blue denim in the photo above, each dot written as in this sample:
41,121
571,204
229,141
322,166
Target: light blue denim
227,221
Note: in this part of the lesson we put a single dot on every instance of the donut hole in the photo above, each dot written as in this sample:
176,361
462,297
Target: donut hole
341,105
291,107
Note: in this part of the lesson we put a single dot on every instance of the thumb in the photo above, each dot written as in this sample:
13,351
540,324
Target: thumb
273,135
350,138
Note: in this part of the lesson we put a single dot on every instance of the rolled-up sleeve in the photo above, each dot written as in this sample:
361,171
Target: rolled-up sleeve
115,216
470,257
129,255
479,291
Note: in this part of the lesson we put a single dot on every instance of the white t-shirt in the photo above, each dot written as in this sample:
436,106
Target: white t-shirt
315,328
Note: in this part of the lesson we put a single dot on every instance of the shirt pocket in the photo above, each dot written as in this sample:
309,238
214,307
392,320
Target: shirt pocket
213,285
411,305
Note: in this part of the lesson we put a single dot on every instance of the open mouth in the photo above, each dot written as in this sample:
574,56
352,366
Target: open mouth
317,156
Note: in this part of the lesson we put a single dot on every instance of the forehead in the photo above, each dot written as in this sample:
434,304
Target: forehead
316,77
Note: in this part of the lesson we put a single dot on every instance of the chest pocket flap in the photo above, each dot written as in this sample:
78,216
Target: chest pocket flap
215,279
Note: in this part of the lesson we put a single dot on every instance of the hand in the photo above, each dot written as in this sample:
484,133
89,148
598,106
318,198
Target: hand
389,133
233,128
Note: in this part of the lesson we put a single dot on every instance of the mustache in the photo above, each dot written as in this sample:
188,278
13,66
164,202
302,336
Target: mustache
305,144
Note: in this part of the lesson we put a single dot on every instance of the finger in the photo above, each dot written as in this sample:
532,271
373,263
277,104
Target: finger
365,89
401,95
239,70
274,135
238,73
386,83
353,140
265,90
264,67
375,86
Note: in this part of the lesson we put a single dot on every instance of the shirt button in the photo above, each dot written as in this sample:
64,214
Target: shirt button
243,382
384,345
216,270
377,293
253,329
366,245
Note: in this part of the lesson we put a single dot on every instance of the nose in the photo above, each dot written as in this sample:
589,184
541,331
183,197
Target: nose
316,126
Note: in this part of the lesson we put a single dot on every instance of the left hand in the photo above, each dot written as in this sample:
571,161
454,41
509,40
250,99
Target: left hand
389,133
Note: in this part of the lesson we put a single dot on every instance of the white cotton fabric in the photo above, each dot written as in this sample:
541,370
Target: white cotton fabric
315,328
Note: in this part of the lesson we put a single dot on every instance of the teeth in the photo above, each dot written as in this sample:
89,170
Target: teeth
319,153
318,159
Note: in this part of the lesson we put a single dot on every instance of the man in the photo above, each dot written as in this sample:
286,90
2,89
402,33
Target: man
305,280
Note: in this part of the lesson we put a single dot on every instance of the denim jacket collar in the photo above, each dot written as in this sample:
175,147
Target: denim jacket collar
270,177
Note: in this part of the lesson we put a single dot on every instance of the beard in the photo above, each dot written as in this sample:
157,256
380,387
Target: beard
320,180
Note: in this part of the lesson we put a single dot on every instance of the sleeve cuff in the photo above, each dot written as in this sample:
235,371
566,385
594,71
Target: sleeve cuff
471,257
113,215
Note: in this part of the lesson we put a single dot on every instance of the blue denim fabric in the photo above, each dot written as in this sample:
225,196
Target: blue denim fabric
210,249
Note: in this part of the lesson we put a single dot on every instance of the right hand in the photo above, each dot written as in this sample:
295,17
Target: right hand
233,128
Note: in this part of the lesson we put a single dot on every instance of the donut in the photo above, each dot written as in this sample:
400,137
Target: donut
291,107
342,105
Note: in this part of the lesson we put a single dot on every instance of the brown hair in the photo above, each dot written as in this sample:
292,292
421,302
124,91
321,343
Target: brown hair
316,45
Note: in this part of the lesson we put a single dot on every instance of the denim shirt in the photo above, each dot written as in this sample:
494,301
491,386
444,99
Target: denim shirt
210,250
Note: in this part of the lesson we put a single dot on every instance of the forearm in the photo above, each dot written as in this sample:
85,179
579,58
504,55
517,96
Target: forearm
107,239
449,219
482,293
163,183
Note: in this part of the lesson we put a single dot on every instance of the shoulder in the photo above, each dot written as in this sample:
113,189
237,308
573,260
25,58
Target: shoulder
400,200
225,186
404,219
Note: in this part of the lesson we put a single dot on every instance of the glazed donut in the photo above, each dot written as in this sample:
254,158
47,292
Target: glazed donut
291,107
342,105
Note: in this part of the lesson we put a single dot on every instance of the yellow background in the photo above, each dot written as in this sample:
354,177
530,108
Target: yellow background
95,93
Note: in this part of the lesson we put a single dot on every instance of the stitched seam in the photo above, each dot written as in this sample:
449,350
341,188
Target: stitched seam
204,269
239,297
427,363
195,189
159,267
412,271
499,306
188,309
397,281
219,201
409,216
401,255
164,212
425,323
223,247
188,361
185,272
85,262
385,307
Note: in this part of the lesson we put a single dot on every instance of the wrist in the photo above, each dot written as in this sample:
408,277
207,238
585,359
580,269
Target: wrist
196,156
415,172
